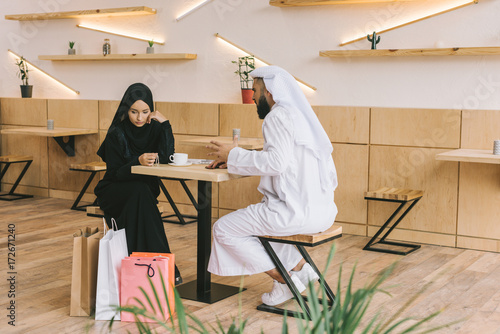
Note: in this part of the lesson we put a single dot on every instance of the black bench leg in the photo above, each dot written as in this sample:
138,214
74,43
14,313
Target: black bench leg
177,213
322,281
372,242
82,192
11,196
284,273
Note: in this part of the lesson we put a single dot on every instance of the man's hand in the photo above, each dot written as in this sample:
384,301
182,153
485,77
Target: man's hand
221,151
156,115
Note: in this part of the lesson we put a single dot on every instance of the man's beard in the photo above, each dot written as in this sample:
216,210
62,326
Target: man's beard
263,107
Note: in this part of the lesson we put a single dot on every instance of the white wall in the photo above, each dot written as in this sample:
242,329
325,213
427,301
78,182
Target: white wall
288,37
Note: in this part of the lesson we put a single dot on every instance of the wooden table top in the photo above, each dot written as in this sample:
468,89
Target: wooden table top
246,143
193,172
43,132
469,155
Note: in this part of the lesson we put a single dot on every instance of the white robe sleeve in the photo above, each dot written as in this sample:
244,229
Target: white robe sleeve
278,149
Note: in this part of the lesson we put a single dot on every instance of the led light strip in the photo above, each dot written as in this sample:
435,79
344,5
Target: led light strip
258,58
411,22
198,6
42,71
119,34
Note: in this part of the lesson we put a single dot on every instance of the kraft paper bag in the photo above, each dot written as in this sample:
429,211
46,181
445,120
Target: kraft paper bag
136,272
112,250
84,271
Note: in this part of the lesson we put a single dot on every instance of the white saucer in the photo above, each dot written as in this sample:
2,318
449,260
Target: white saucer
183,165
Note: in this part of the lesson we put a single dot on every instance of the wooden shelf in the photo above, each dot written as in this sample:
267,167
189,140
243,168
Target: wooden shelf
294,3
470,51
110,12
468,155
133,56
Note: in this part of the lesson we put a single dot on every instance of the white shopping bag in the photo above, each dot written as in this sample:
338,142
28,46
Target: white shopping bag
112,249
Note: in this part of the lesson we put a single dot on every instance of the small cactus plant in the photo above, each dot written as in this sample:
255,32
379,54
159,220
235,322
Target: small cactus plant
374,39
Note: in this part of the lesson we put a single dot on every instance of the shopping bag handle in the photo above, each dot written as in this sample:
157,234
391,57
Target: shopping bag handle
114,226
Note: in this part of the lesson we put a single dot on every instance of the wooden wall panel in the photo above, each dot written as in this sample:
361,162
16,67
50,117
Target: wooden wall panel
415,127
193,151
185,209
37,174
240,116
191,118
488,245
480,128
74,113
351,162
479,198
345,124
239,193
415,168
349,228
60,177
27,112
178,194
107,110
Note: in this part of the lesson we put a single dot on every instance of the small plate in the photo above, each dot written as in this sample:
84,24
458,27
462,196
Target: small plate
184,165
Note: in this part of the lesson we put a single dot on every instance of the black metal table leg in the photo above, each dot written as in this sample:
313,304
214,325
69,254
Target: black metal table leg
202,289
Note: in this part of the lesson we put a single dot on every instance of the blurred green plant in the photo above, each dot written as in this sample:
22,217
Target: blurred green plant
345,316
23,70
151,43
348,310
71,44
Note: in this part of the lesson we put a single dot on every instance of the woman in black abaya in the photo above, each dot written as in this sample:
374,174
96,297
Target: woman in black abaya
137,136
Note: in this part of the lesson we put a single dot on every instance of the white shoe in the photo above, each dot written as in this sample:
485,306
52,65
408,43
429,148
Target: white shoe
306,274
281,293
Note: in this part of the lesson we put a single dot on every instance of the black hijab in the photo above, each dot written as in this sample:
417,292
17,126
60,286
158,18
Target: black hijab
139,139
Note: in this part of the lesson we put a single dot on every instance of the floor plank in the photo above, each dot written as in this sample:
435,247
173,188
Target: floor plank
462,283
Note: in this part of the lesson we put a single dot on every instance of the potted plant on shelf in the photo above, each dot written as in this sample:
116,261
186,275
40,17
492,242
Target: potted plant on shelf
71,51
150,48
245,66
26,89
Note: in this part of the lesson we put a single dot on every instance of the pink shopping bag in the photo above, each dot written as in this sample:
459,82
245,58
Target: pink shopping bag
135,274
171,268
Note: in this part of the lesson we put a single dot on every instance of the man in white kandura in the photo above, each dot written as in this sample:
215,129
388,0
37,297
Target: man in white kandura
298,179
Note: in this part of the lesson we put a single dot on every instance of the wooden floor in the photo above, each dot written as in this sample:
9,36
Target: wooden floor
465,283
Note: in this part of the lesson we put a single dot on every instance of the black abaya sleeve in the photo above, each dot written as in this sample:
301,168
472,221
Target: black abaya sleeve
166,143
118,160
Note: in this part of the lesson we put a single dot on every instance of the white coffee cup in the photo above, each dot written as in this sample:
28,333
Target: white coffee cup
179,158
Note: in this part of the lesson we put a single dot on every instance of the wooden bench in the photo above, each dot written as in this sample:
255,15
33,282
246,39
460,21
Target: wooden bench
299,240
404,197
12,159
93,168
95,211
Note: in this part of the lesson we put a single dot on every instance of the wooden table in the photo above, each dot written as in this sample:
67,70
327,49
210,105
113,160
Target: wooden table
202,289
469,155
246,143
58,134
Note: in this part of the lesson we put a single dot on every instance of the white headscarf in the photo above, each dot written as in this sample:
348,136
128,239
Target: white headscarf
308,130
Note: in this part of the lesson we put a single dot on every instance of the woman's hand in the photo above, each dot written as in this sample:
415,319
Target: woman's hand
148,159
156,115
